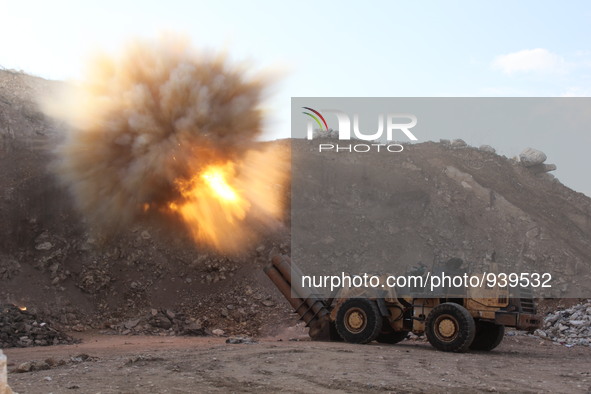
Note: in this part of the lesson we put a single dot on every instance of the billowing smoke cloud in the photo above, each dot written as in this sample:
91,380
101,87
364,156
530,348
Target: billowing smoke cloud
165,129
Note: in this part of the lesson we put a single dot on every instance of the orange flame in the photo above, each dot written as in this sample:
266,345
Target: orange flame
215,178
223,202
22,308
212,206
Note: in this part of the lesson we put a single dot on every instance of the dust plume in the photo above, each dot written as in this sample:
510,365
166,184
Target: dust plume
164,129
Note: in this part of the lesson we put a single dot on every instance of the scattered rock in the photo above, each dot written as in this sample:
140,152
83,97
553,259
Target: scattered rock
20,328
569,327
131,323
547,176
533,233
24,367
218,332
542,168
9,267
330,133
161,321
240,340
549,167
170,314
82,357
44,246
458,144
31,366
142,359
194,328
94,277
487,148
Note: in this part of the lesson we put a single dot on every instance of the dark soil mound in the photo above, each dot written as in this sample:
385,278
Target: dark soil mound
19,328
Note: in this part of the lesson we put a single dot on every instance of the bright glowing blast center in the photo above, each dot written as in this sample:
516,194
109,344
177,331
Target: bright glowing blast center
215,178
224,204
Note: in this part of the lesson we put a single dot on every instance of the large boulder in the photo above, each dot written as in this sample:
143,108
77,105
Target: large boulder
458,144
487,148
532,157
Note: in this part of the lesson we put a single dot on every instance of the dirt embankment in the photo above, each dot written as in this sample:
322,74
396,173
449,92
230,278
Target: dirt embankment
446,201
52,263
437,201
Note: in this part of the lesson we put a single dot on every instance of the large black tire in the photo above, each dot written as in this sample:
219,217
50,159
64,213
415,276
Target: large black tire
450,328
488,336
392,337
334,334
359,320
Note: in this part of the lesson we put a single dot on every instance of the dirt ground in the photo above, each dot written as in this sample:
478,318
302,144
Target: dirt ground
144,364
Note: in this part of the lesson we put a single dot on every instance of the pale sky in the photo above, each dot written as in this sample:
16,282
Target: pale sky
331,48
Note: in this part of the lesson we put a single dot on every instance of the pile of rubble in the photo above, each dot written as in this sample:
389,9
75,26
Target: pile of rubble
163,322
241,312
570,326
20,328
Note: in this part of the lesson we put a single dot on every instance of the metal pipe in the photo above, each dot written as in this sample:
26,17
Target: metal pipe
293,275
308,306
300,305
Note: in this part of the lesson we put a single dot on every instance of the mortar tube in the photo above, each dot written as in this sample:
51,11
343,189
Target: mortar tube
286,268
299,305
319,324
312,309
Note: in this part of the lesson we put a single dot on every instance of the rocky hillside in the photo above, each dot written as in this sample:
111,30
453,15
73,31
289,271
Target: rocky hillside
438,201
50,262
448,200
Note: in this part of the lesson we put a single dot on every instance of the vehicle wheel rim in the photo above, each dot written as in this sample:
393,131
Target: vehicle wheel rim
446,328
355,320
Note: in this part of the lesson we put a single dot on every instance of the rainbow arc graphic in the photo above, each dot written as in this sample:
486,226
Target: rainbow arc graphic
316,115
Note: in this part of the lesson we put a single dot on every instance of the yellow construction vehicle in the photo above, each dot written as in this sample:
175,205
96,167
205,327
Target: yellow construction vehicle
475,319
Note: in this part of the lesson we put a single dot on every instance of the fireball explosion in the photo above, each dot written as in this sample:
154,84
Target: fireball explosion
163,129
